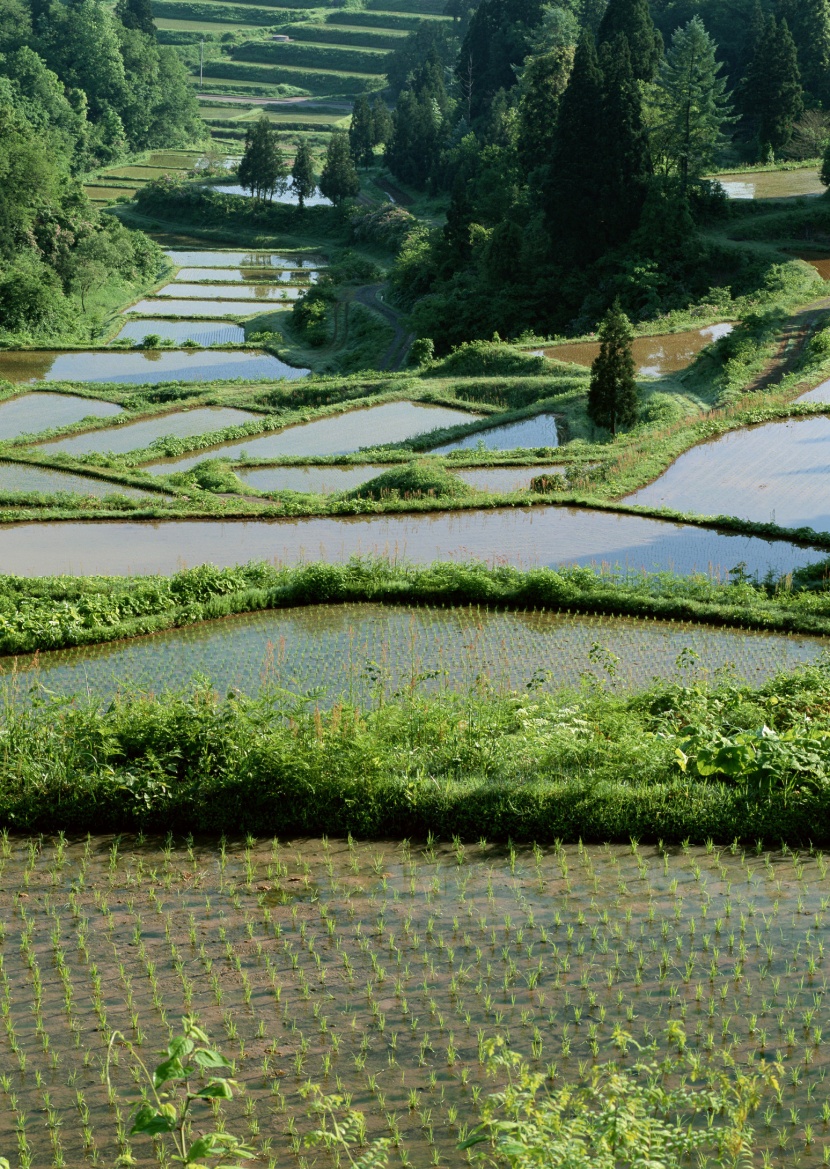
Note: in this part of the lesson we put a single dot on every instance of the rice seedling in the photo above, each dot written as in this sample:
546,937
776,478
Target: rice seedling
389,971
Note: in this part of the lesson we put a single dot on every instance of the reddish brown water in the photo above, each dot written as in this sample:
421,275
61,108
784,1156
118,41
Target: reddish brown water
654,356
779,184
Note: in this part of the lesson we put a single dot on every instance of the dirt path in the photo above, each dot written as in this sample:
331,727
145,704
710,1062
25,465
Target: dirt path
794,337
395,355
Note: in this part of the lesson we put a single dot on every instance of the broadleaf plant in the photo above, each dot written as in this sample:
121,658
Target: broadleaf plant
167,1106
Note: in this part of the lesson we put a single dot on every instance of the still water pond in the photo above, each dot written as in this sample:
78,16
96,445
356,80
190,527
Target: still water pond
179,331
653,356
338,434
136,435
527,434
201,258
148,367
25,477
779,472
352,650
520,536
29,413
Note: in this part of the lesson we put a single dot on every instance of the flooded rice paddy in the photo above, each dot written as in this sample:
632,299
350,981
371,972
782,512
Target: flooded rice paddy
386,968
779,472
204,258
136,435
529,433
241,275
25,477
167,306
29,413
287,196
230,291
504,479
203,333
148,367
819,260
324,480
653,356
780,184
355,652
819,394
339,434
524,537
316,480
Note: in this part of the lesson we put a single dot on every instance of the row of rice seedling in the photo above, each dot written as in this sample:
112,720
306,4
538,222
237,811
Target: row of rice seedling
385,974
372,653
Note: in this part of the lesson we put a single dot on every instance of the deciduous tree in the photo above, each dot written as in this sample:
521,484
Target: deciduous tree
262,170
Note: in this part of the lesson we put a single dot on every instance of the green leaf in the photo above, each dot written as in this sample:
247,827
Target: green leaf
171,1069
149,1121
203,1147
205,1057
216,1089
180,1047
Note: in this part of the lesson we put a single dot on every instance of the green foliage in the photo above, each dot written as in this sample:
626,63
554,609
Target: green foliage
309,316
414,481
339,179
632,19
623,1116
692,104
169,1099
303,178
262,169
531,765
612,397
361,132
315,56
420,126
490,358
210,475
809,22
771,94
421,351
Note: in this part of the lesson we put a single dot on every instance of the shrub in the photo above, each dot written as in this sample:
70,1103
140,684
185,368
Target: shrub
548,484
422,351
413,481
488,357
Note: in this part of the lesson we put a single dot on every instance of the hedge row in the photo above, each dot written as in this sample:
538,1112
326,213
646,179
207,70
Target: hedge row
226,13
327,34
327,83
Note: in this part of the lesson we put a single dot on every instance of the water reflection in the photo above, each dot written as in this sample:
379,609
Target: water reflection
136,435
147,366
653,356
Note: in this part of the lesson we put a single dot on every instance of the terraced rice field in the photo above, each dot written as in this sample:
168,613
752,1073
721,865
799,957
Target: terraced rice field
23,477
30,413
357,653
385,969
782,184
530,433
203,333
338,434
776,473
148,367
544,536
137,435
653,356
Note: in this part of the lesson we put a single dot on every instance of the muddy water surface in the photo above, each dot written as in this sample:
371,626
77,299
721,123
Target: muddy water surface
230,291
147,367
781,184
653,356
204,258
317,480
25,477
520,536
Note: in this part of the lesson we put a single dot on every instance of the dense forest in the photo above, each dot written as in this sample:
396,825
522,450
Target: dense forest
572,140
80,86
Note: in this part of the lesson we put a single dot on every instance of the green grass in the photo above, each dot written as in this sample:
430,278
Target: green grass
584,765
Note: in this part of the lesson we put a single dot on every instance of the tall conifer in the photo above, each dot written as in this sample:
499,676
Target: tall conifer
262,170
612,397
771,95
632,18
360,132
623,144
570,193
809,23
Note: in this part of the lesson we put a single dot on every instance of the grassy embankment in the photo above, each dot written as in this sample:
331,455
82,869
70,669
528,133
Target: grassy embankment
584,765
